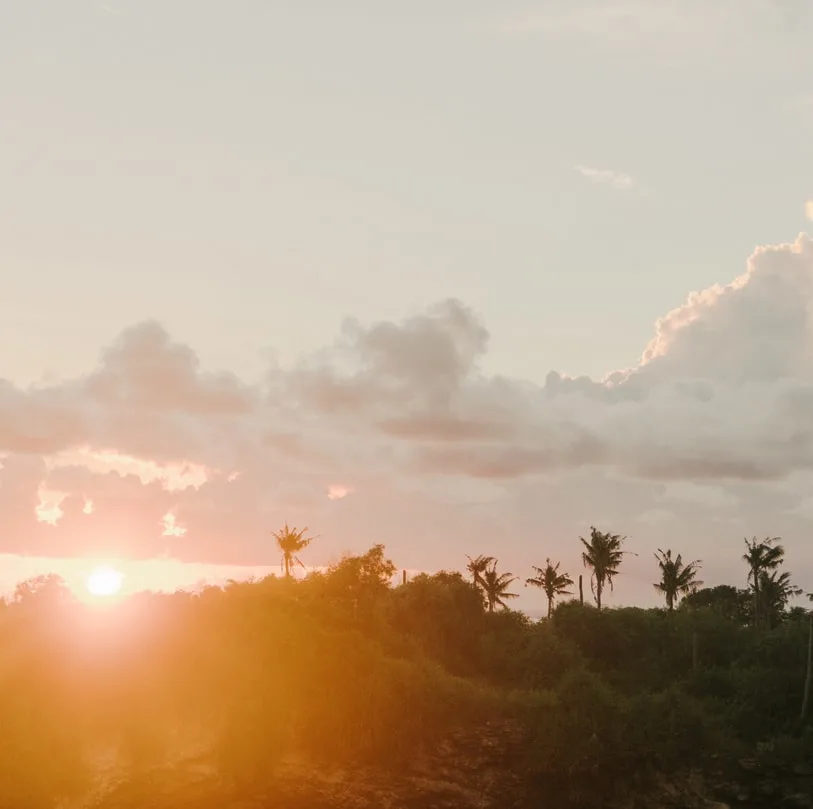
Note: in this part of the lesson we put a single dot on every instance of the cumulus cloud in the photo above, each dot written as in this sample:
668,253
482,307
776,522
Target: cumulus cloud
809,209
149,455
614,179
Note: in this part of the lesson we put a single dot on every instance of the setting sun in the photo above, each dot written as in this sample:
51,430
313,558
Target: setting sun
104,581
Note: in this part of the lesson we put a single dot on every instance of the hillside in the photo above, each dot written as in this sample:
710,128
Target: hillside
340,690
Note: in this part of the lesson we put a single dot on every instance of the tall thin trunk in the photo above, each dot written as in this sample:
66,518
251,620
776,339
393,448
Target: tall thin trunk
598,593
755,574
809,677
581,591
550,603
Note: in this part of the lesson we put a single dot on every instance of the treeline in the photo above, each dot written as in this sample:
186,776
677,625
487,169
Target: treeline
343,669
765,601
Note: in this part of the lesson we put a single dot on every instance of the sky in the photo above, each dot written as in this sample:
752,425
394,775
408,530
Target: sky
458,277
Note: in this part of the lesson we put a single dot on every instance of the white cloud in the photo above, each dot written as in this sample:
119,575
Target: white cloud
709,429
171,527
809,210
49,508
605,177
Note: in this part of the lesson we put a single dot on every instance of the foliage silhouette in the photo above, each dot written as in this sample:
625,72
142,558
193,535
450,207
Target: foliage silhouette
477,568
344,672
762,557
290,542
495,586
551,582
677,578
602,555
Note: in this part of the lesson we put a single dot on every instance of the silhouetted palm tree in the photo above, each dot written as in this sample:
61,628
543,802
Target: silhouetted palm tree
477,567
775,590
291,542
761,557
495,587
677,579
551,581
603,556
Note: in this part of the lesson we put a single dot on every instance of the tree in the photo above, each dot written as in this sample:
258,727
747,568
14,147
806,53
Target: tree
443,613
477,567
761,557
730,602
45,589
358,583
290,542
677,578
775,590
551,581
603,556
495,587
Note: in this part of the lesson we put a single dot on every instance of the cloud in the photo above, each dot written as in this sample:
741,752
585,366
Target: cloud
605,177
337,491
663,33
148,455
171,527
809,210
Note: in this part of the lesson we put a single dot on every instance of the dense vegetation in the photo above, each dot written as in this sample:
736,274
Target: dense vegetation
342,670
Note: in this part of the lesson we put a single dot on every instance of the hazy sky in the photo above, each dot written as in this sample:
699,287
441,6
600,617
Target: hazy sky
250,174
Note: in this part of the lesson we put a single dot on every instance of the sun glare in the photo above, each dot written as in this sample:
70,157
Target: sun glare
104,581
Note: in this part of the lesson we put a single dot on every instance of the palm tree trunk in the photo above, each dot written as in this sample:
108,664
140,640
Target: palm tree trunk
581,591
809,677
550,602
598,594
756,597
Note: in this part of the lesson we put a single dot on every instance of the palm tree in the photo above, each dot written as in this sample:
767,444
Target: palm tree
761,557
290,542
551,581
775,590
603,555
477,567
677,579
495,587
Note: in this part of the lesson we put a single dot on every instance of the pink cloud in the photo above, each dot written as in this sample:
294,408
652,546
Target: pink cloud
148,455
337,491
